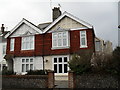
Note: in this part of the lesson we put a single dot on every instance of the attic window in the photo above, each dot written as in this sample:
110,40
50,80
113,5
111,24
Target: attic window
60,39
28,43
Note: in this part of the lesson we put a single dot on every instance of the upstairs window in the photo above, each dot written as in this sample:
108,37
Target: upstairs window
97,46
83,39
12,41
28,43
4,49
60,39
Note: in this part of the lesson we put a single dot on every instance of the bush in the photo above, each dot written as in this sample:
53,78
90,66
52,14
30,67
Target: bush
37,72
8,72
79,64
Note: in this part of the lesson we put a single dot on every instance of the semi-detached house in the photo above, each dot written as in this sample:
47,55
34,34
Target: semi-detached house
49,45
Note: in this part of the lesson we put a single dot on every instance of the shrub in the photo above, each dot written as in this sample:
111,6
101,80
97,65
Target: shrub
8,72
37,72
79,64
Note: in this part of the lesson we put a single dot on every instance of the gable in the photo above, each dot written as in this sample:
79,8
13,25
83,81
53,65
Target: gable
24,29
67,23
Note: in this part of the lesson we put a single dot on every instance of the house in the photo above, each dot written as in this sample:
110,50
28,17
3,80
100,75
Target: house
3,43
102,46
48,45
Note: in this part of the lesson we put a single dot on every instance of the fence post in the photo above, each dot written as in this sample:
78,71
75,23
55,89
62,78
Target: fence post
71,79
51,79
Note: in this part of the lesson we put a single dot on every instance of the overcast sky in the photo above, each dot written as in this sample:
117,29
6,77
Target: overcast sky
102,14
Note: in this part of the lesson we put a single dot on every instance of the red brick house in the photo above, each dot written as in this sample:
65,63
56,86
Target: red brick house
49,45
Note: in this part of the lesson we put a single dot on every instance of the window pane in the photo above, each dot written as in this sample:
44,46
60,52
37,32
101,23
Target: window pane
64,42
23,60
64,34
31,60
59,35
60,68
65,68
54,35
97,46
27,60
31,66
23,67
55,68
59,42
27,67
54,42
55,60
60,59
65,59
82,32
83,41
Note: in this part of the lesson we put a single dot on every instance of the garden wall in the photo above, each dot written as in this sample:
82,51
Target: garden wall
93,81
28,81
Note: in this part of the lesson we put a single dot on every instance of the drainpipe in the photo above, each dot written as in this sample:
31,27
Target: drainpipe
43,52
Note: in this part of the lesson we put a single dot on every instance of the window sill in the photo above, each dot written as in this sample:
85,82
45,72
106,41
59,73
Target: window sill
26,49
60,47
83,46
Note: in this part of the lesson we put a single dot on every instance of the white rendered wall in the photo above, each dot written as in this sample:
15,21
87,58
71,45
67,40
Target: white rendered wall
17,63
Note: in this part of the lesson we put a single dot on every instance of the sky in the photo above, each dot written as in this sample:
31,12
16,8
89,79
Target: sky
102,14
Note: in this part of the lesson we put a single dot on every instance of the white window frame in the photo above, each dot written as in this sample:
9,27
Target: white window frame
85,36
60,63
4,49
61,38
12,44
27,41
26,63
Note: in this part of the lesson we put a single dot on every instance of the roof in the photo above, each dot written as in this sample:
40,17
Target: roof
68,15
42,26
20,23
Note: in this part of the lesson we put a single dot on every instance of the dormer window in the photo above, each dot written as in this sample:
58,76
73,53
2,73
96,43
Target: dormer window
28,43
60,40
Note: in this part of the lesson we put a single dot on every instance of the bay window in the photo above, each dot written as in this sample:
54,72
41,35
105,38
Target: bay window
27,42
60,39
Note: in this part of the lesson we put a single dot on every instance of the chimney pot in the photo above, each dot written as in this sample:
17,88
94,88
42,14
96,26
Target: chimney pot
2,28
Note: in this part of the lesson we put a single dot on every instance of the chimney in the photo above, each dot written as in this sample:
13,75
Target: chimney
56,13
2,28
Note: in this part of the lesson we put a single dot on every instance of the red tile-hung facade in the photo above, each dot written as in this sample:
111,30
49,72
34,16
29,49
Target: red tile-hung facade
31,47
43,45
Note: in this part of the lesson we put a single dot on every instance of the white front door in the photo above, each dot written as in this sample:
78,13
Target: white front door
60,64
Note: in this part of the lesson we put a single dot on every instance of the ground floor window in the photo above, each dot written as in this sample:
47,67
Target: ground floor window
27,64
60,64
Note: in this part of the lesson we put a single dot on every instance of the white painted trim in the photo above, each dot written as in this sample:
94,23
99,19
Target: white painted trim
68,15
19,24
83,46
27,63
57,56
33,43
67,39
78,28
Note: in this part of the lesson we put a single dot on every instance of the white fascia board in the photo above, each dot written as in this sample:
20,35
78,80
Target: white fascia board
72,17
20,23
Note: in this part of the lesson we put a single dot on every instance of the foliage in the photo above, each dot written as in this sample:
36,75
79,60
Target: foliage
108,63
79,64
8,72
37,72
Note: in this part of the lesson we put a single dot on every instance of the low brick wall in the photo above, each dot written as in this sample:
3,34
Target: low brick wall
93,81
28,81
